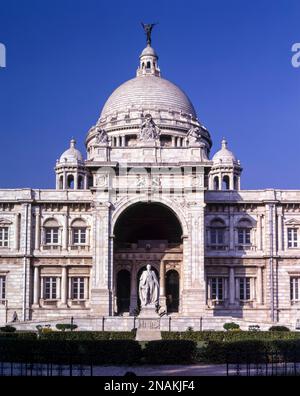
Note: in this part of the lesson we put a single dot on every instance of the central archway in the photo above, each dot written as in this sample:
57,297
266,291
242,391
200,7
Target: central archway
146,233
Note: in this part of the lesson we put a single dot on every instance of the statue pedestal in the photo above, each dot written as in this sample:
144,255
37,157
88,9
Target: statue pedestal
148,325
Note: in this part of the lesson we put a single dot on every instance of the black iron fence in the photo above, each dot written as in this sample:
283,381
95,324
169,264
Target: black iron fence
25,369
263,364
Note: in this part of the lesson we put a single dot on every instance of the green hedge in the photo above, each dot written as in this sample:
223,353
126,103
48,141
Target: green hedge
19,335
89,335
231,335
249,351
58,351
170,352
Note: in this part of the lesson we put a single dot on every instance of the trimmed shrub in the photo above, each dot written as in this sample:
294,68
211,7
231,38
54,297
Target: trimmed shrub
8,329
279,328
89,335
170,352
66,326
231,326
220,336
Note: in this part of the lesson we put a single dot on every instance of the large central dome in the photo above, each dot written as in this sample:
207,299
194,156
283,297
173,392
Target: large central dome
147,109
148,92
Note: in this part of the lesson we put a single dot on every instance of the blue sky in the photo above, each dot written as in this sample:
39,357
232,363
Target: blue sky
232,58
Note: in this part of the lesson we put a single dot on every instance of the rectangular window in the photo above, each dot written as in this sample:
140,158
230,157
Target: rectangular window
50,288
51,235
295,283
245,289
77,285
244,236
216,289
79,236
292,237
3,236
2,287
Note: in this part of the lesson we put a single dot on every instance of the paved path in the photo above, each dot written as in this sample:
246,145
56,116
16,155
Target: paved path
165,370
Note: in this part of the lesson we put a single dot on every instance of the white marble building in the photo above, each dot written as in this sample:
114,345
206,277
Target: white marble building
149,192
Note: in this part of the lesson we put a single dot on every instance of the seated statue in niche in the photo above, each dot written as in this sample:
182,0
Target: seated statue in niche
149,131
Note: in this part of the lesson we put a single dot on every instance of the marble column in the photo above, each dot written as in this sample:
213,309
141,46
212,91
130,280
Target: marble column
133,290
280,232
76,181
259,286
36,286
64,286
86,288
65,182
17,232
259,233
66,231
162,290
231,230
38,229
231,286
231,182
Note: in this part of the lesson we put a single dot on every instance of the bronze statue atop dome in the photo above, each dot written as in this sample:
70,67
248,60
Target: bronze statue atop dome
148,30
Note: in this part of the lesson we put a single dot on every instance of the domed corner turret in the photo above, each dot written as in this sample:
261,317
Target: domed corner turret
226,171
70,169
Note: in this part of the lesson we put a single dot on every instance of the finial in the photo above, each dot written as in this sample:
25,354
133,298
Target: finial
148,30
224,143
72,143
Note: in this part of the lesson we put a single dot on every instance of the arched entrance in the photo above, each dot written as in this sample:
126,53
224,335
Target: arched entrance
172,291
123,291
147,233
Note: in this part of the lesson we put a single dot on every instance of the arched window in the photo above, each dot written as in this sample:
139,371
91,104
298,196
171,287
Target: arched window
244,227
61,183
71,182
235,183
216,183
51,232
148,65
80,183
172,291
79,232
225,183
123,291
90,181
217,236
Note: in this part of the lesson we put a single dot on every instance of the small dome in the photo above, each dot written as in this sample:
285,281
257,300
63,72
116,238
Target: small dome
224,155
148,51
72,155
